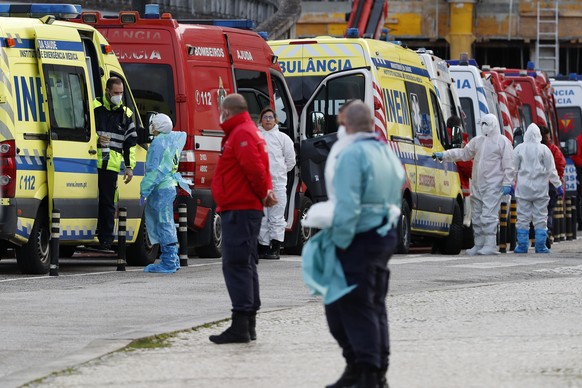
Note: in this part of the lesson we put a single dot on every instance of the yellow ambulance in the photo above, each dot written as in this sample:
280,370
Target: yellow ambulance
50,73
323,73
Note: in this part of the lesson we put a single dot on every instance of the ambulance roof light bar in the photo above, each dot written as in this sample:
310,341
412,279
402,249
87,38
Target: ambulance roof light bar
61,11
152,11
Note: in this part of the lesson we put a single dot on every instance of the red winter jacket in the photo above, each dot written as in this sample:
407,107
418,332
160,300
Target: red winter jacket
242,177
559,159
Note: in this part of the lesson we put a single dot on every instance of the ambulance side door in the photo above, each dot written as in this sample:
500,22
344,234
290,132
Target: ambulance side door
319,123
71,153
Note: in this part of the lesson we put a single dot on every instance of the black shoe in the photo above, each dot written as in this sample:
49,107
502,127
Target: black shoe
237,333
367,377
273,253
263,250
103,248
347,379
253,326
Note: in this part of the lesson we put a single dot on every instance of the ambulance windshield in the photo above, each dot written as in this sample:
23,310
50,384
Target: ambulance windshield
570,122
152,86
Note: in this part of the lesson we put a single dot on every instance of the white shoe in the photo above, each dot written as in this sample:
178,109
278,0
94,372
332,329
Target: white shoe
479,241
490,246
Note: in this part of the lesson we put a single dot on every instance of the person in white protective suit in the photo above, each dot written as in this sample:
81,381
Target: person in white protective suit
492,178
281,161
535,167
158,191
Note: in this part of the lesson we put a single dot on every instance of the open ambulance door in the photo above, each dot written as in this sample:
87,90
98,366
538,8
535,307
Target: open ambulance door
319,123
68,111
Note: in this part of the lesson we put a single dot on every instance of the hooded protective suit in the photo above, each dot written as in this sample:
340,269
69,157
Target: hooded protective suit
492,156
159,187
281,161
535,167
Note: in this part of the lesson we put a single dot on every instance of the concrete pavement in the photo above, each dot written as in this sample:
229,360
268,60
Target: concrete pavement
521,334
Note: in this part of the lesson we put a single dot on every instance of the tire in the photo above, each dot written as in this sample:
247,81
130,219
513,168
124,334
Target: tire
468,237
404,234
34,257
214,248
67,251
453,244
142,252
304,233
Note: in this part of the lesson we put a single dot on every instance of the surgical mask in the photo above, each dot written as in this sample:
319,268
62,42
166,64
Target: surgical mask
341,132
151,129
222,117
116,100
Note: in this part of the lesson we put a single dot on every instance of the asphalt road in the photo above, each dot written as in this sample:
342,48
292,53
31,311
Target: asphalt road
51,323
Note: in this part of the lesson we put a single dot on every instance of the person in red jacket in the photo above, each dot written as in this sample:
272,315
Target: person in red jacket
560,163
241,187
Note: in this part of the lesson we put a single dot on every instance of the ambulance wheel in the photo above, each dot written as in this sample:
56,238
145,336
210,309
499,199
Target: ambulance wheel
304,232
453,244
33,257
142,252
214,248
404,229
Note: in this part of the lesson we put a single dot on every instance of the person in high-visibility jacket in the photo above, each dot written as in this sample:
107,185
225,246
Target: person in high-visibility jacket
116,146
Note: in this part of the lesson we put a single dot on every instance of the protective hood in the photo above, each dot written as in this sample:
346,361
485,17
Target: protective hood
532,134
490,125
161,123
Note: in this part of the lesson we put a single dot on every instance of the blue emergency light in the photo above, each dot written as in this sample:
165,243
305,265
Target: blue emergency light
61,11
152,11
353,33
264,35
243,24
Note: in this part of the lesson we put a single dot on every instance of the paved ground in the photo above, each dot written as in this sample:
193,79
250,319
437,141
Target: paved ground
523,334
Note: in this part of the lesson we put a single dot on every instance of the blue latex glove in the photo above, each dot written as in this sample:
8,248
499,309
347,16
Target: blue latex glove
560,191
506,190
142,200
437,155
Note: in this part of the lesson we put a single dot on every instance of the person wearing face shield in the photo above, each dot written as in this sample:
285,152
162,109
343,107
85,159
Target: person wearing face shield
535,167
115,148
492,177
158,191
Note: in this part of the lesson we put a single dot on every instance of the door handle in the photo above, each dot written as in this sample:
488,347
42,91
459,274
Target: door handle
93,152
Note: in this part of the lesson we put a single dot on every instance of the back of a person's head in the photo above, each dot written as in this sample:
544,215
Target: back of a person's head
453,121
235,103
544,130
358,117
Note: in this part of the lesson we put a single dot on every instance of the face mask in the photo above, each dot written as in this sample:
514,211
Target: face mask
116,100
341,132
151,129
222,118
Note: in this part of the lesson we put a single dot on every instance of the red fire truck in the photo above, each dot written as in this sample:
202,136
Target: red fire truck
184,69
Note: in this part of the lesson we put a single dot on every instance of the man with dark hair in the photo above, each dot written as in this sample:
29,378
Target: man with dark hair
241,187
117,140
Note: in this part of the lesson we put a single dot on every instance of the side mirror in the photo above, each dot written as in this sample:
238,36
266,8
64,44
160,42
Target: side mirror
571,147
517,136
317,124
456,137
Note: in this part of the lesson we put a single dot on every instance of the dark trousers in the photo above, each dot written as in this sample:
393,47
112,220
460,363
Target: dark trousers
240,232
553,193
107,181
359,320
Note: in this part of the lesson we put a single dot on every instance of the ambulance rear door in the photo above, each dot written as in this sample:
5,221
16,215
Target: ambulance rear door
319,123
71,153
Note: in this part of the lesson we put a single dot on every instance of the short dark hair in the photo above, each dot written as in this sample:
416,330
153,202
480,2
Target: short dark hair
113,81
265,110
544,130
453,121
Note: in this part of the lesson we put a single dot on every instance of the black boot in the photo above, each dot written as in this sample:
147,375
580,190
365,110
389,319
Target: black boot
252,326
382,379
367,377
347,379
273,253
263,250
238,332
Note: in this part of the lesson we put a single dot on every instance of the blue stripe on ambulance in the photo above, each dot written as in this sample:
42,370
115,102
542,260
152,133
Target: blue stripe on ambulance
482,100
48,43
379,62
427,225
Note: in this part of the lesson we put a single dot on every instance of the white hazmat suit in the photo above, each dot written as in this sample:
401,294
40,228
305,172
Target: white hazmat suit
281,161
492,156
535,167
